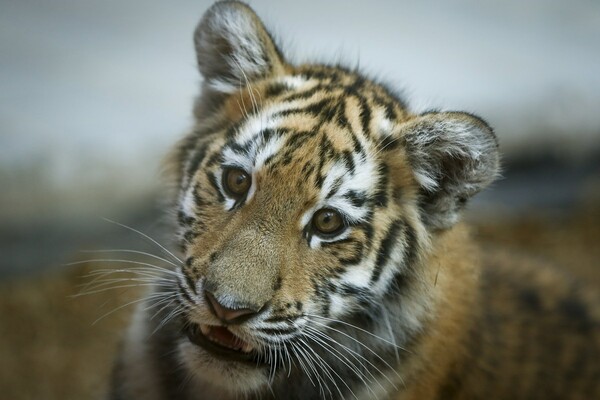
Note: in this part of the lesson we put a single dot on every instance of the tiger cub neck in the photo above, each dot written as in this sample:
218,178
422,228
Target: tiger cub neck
450,285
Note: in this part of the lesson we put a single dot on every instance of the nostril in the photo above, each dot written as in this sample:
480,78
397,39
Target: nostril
226,314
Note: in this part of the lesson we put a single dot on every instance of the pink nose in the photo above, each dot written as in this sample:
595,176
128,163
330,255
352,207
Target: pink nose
228,315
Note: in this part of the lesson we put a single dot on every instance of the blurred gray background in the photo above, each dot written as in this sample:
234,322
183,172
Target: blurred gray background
93,94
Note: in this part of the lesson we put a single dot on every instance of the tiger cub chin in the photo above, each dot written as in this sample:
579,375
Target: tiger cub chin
321,254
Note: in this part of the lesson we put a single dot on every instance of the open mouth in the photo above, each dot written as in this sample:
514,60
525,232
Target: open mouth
221,342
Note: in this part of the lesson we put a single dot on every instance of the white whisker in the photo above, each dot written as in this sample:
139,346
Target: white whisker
132,252
111,260
359,329
361,344
146,236
343,359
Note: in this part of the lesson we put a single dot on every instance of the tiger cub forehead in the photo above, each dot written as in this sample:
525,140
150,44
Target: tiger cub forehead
322,130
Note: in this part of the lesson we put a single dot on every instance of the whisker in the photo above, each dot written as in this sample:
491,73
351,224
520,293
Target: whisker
109,284
145,236
311,361
354,354
324,363
170,300
299,356
172,315
392,337
361,344
111,260
112,288
360,329
119,308
343,359
132,252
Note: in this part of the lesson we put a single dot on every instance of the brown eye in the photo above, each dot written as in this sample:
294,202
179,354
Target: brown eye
327,221
236,182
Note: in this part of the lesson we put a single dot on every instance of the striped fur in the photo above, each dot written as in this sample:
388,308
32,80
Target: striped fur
382,308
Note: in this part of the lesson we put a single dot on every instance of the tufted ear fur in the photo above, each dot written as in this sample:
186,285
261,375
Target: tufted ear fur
233,46
454,155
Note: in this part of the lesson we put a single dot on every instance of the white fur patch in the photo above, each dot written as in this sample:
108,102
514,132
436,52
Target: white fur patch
293,81
188,204
219,85
239,30
385,127
337,305
359,277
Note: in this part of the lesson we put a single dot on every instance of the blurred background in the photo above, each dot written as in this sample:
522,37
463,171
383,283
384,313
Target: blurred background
94,93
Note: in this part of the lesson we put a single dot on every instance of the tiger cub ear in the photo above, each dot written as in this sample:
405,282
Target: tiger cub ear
454,155
233,46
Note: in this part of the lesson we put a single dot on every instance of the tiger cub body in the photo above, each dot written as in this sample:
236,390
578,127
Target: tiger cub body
321,253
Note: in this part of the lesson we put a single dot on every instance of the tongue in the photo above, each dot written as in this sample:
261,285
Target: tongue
224,336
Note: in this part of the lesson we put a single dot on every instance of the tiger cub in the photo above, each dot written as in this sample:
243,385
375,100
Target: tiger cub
321,253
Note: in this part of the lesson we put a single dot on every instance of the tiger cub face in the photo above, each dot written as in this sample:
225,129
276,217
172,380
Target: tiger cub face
306,198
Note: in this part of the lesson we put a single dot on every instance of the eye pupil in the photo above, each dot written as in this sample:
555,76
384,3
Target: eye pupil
236,182
327,221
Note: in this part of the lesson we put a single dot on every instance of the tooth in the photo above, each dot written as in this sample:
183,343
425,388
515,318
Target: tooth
205,329
247,348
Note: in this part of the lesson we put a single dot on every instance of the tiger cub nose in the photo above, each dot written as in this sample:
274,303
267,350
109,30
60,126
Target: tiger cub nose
228,315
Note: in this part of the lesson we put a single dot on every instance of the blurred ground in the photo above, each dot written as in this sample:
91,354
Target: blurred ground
52,349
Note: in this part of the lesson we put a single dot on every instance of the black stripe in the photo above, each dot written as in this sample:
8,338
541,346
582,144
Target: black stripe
326,152
358,148
212,179
349,161
216,158
334,188
381,197
365,115
184,220
183,292
278,318
276,89
313,109
367,227
196,160
240,148
385,249
389,143
388,106
278,331
189,236
351,290
298,139
306,94
399,281
356,257
199,201
341,116
357,199
410,249
322,296
307,170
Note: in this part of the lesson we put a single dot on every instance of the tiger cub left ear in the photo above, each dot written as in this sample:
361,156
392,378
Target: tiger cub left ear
454,155
234,47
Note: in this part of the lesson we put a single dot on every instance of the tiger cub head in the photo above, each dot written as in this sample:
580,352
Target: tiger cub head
307,199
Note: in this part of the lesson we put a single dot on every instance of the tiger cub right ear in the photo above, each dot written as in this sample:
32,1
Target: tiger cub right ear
454,155
233,47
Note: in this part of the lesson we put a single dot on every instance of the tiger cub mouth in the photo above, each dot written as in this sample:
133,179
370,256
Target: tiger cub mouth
222,343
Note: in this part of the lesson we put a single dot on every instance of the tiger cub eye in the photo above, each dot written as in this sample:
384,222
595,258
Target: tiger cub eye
328,221
236,182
